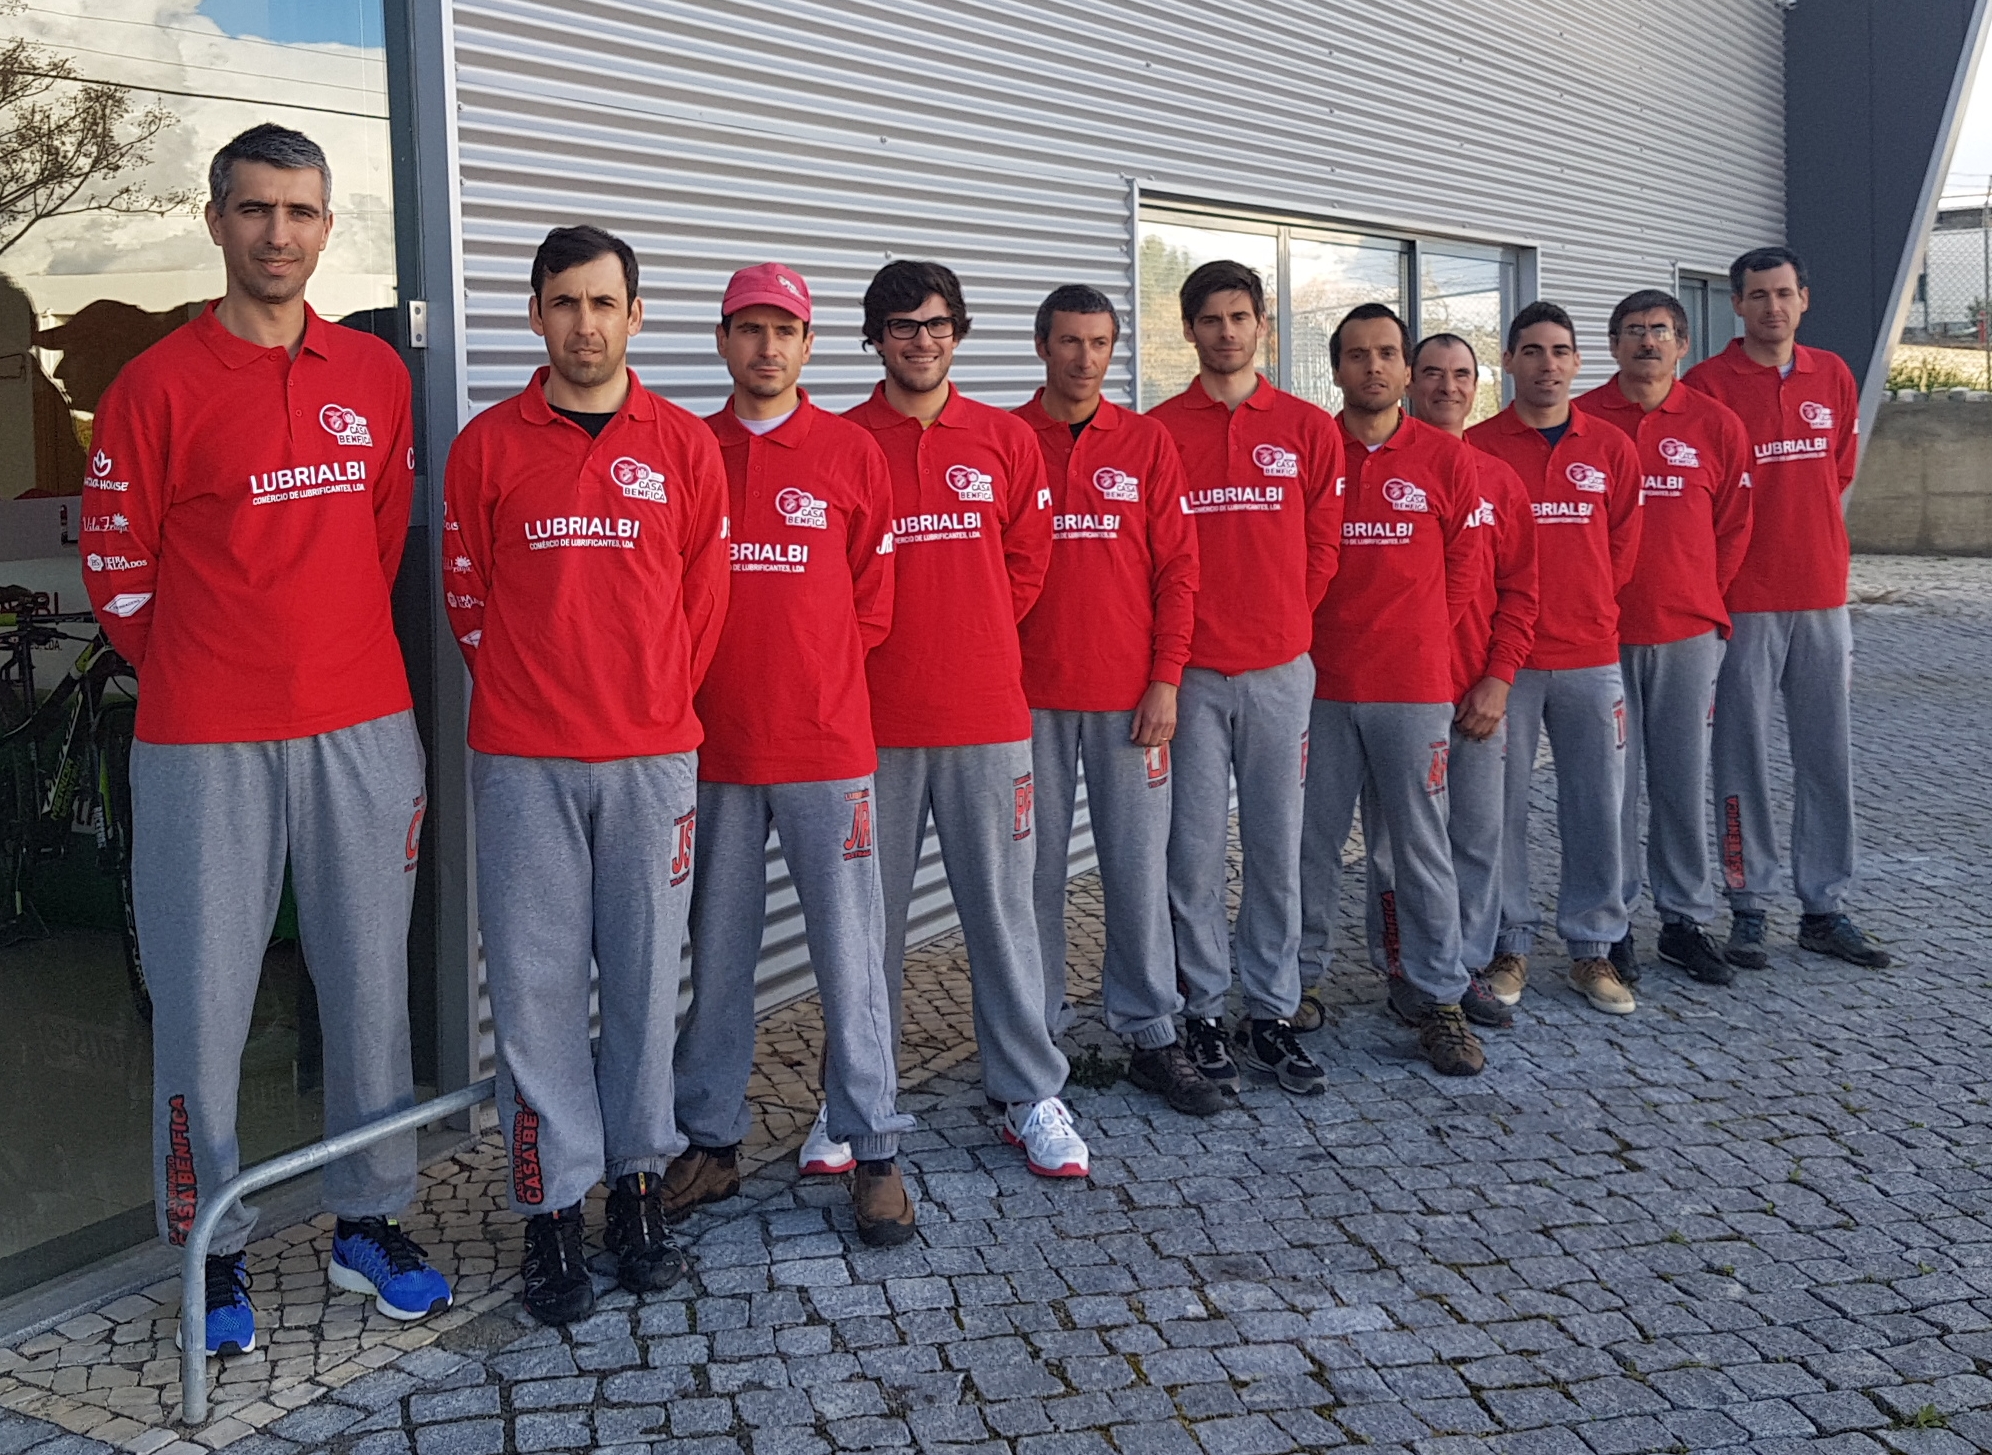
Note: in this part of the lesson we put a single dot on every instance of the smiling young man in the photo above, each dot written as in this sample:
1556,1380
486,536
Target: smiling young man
580,506
1694,459
244,515
788,748
972,536
1583,481
1265,489
1788,607
1104,650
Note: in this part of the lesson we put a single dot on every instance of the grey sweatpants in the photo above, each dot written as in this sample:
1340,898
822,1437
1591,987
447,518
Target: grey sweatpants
982,800
1253,725
212,824
579,861
1669,693
1127,797
1809,657
1584,711
828,839
1400,750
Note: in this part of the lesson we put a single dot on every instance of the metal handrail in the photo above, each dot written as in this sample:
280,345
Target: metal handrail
193,1270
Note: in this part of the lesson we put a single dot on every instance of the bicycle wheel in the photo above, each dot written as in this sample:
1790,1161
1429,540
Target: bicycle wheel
113,745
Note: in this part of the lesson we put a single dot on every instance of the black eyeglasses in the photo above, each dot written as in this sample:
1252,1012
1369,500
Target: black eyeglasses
942,326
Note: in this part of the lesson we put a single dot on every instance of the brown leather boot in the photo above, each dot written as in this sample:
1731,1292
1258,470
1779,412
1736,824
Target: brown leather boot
697,1176
884,1211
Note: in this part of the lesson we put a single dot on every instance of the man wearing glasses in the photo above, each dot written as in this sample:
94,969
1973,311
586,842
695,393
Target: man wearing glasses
972,539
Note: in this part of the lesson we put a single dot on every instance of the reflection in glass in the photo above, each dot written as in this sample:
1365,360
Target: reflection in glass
1329,276
1170,252
1462,294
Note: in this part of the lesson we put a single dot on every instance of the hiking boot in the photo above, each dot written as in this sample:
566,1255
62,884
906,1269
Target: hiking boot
1449,1043
1693,948
1480,1006
1170,1074
1207,1052
1598,983
1625,960
1746,949
1272,1047
373,1255
1406,1001
880,1202
1506,977
558,1288
648,1258
1836,935
697,1176
1312,1012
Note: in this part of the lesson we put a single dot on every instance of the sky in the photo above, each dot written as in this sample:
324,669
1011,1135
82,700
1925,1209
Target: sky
1971,164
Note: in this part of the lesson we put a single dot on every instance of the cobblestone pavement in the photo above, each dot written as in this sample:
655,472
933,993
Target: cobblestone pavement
1744,1218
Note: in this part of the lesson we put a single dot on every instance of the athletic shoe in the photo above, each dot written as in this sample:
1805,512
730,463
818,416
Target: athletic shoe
648,1258
881,1204
1693,948
1598,983
821,1154
1507,977
1480,1006
1406,1001
558,1288
1746,949
1052,1146
1170,1074
1836,935
1206,1050
1312,1012
1625,960
1272,1047
231,1322
373,1255
1449,1043
697,1176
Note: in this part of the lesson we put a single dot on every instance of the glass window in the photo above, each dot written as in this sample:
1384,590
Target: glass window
1712,323
1327,275
1172,249
1469,293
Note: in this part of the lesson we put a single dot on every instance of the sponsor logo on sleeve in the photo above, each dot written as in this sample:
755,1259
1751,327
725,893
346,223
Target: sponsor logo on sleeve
1587,477
462,601
800,508
126,603
638,480
472,639
115,563
114,524
1117,484
970,483
1403,495
1818,415
100,465
347,426
1680,454
99,477
1481,514
1276,461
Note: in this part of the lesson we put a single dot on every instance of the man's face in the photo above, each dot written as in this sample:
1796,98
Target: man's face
1077,352
1543,362
1443,386
271,229
586,317
765,348
1227,331
1373,372
1772,304
919,364
1650,345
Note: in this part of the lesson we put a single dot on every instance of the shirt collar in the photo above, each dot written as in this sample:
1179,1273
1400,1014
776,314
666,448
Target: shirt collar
1610,396
1399,437
637,404
1512,423
1107,416
792,431
1198,397
235,353
1742,363
953,414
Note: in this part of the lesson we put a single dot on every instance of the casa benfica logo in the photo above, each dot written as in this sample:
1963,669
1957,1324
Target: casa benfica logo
1732,844
681,858
1157,761
1618,720
348,427
528,1183
638,480
1303,759
1435,775
182,1188
858,842
413,848
1393,955
1024,804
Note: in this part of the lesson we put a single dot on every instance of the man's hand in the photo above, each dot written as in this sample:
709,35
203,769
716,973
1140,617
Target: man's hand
1482,709
1155,716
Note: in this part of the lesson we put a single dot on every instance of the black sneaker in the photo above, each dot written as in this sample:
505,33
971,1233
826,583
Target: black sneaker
1172,1075
1272,1047
558,1289
1207,1052
1748,931
648,1258
1693,948
1625,960
1838,936
1480,1007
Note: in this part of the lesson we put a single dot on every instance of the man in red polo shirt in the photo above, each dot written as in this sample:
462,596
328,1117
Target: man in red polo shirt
1265,475
788,747
1583,483
971,534
1695,464
576,510
1788,607
1103,655
243,518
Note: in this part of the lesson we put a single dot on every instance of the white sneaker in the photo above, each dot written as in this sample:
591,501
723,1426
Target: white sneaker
820,1156
1052,1146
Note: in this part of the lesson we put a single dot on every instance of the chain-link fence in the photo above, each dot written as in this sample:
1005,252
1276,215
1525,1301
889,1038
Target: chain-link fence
1946,342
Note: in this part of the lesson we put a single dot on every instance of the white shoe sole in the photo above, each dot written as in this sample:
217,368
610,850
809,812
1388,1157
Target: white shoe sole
354,1281
820,1168
1609,1007
1070,1169
1511,999
239,1350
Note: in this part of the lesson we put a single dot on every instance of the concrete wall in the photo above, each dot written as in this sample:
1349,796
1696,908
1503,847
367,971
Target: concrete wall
1925,485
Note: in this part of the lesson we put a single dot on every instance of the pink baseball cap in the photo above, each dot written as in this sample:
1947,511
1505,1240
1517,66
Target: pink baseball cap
770,283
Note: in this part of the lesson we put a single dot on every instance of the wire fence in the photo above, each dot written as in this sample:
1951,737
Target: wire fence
1946,339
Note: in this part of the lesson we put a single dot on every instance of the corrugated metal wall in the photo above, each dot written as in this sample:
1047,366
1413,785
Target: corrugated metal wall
1623,140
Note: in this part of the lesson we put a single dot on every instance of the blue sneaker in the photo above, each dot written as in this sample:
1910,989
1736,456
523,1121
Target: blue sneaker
373,1255
231,1323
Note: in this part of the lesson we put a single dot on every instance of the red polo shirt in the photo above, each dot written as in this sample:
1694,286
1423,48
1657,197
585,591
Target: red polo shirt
1119,598
810,507
1496,629
971,531
1585,496
243,518
1804,431
1383,633
1265,488
585,579
1695,516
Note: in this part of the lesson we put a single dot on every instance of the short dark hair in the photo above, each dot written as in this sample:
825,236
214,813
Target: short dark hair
1221,276
902,285
1362,313
1645,301
272,145
1441,340
570,247
1541,311
1762,260
1074,298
